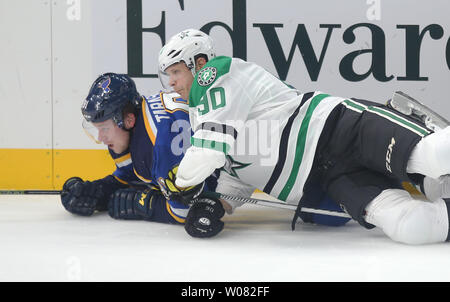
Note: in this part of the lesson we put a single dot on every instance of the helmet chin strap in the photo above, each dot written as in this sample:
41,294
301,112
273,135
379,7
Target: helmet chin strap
122,125
191,67
119,121
193,71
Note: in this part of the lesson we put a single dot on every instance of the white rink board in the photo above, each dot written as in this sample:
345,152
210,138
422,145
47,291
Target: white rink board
26,74
59,47
43,242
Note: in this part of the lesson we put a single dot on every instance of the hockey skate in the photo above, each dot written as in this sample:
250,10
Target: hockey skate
405,104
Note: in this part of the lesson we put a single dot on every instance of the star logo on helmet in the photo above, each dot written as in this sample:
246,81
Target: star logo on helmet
206,76
183,34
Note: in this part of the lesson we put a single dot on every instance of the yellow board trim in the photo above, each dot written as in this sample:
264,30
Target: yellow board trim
47,169
24,169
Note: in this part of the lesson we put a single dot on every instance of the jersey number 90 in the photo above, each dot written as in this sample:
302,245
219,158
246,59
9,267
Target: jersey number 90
212,100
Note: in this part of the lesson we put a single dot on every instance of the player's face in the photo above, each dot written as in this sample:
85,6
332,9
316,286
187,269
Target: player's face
180,78
112,136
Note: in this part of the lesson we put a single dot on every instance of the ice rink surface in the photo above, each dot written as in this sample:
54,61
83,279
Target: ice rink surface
40,241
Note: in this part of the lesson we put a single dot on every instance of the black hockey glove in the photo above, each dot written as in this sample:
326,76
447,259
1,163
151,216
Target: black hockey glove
131,204
203,218
84,197
175,193
81,197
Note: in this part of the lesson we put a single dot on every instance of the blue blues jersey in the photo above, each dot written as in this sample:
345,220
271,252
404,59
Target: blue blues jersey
157,144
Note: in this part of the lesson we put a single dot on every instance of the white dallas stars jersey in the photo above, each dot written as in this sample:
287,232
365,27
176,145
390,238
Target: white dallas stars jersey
256,127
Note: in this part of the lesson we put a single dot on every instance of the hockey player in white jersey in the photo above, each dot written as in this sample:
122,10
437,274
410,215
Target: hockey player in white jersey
358,151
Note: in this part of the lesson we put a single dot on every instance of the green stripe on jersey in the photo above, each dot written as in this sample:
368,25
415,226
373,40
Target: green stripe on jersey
354,105
399,120
300,148
395,118
204,143
221,65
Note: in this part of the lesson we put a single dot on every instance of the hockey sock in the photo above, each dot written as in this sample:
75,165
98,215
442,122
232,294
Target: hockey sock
431,155
436,188
409,220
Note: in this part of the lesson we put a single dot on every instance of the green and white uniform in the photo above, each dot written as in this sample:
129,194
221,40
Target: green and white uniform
239,112
237,108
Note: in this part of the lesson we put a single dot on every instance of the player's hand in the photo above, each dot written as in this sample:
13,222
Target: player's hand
131,203
173,192
203,219
81,197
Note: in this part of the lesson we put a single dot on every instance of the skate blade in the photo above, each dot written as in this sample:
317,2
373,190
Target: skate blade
406,105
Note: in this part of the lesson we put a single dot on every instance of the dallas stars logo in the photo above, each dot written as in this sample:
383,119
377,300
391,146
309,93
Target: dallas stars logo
206,76
184,34
232,165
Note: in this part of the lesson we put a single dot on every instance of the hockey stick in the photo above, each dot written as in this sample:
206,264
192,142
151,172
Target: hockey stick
30,192
261,202
279,205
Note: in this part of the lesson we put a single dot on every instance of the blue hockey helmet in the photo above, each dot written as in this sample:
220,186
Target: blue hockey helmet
108,96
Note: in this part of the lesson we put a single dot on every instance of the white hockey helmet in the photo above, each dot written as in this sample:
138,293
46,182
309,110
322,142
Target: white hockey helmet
184,46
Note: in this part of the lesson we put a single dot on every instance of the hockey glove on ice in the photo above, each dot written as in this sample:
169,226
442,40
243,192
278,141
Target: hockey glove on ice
203,218
82,197
175,193
131,204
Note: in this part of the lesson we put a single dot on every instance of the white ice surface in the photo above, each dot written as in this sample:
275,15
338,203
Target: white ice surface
40,241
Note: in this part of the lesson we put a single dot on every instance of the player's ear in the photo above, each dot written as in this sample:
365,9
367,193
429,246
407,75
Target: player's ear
129,120
199,63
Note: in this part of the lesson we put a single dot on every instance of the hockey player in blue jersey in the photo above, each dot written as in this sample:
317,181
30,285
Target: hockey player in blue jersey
147,138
